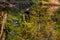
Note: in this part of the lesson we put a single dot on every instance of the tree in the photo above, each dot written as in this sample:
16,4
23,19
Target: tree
35,24
42,27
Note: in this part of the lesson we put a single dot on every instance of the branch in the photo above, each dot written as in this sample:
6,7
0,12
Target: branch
3,23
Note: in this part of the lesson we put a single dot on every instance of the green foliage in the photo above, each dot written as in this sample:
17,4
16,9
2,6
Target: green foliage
41,26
